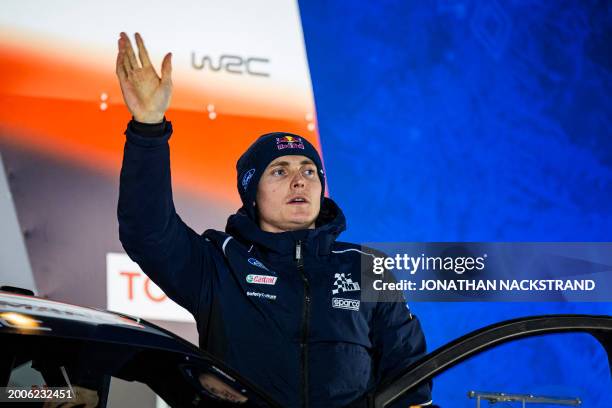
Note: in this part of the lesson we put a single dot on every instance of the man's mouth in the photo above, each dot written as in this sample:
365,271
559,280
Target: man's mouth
297,200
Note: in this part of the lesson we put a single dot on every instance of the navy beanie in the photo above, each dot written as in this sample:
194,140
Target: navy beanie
262,152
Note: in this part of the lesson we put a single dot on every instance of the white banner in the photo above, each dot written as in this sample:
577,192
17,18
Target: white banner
130,291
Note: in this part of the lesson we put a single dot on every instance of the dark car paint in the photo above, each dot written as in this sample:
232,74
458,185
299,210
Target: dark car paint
149,349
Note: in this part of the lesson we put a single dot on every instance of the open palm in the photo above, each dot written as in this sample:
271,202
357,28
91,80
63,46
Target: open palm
146,94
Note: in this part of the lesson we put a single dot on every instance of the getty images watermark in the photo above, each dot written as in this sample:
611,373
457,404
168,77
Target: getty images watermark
487,272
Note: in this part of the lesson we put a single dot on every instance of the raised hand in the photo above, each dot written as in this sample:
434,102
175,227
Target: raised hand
146,95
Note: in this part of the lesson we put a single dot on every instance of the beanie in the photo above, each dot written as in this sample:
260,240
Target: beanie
262,152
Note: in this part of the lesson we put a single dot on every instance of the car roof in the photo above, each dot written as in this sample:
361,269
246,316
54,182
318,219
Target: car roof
31,315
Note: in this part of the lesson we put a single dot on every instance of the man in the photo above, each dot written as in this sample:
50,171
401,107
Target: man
275,296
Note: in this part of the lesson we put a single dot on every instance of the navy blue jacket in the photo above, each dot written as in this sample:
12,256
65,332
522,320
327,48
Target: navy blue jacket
283,309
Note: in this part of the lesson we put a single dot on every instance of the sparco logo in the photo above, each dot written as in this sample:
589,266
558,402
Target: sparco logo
233,64
261,279
350,304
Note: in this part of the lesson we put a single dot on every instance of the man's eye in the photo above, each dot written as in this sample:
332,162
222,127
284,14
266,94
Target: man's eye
310,172
278,172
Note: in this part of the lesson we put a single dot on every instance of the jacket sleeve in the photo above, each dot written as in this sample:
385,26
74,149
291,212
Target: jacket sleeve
151,232
399,341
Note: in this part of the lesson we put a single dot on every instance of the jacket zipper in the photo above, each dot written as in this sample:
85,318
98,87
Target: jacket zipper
305,321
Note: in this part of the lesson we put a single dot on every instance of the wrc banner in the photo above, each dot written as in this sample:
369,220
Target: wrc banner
239,70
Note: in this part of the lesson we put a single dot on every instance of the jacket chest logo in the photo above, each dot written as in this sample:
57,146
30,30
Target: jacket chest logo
261,279
258,264
347,304
344,284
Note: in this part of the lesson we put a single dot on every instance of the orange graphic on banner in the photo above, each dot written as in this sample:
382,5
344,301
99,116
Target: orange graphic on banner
82,127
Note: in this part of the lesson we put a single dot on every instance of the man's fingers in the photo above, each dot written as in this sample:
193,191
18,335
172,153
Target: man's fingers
142,51
129,51
126,65
166,68
125,62
120,69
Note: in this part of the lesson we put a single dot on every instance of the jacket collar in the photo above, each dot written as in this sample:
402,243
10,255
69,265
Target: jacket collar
329,225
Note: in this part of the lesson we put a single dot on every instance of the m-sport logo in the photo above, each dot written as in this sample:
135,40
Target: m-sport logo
344,283
349,304
261,279
234,64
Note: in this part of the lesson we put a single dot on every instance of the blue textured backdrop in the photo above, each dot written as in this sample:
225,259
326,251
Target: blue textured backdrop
473,121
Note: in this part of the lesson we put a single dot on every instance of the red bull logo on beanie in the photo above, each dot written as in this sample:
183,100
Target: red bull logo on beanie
289,142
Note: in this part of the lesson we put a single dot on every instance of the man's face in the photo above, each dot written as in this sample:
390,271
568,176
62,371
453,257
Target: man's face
289,195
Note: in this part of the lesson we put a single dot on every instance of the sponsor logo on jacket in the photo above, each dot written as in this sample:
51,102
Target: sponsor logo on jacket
344,284
258,264
261,279
261,295
348,304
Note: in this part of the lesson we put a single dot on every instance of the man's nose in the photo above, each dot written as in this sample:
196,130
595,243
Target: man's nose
298,180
